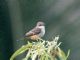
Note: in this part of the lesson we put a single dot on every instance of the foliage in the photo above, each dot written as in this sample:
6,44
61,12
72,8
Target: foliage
42,50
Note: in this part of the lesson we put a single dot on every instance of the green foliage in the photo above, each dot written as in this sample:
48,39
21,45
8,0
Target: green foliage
42,50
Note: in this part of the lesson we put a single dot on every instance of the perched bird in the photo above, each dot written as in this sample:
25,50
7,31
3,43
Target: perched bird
37,32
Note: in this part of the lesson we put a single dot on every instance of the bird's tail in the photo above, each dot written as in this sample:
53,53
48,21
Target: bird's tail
23,38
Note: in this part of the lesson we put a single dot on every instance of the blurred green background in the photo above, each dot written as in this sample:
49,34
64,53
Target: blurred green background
62,17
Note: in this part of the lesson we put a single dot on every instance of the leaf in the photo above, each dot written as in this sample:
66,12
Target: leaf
21,50
62,55
68,54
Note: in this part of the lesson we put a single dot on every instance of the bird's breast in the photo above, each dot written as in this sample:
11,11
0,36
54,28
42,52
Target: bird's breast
41,34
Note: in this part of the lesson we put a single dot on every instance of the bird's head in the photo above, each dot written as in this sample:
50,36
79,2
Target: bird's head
40,23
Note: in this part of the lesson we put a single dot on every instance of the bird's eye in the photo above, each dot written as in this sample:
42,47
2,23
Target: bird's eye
40,24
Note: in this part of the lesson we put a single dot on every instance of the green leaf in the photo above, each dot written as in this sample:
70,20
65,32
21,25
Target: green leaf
68,54
21,50
62,55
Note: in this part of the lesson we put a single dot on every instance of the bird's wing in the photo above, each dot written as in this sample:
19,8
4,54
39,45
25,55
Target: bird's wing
34,31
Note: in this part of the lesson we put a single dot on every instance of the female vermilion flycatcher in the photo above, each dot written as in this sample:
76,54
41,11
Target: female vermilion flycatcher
37,32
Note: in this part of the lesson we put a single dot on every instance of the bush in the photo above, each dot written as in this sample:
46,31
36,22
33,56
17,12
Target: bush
42,50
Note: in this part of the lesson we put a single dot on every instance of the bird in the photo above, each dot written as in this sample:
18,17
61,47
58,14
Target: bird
37,32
